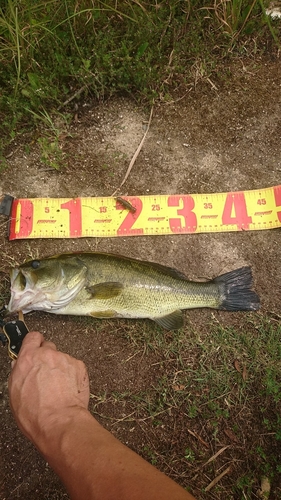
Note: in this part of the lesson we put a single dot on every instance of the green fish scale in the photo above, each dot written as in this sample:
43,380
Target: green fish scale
148,290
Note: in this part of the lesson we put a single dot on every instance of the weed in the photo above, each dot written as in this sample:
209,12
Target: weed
51,154
189,455
218,398
3,163
245,484
51,136
54,52
234,16
192,411
150,454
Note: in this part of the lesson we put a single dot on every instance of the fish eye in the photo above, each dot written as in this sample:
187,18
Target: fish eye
35,264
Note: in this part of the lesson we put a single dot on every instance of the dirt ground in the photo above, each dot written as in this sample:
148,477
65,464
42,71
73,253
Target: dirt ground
217,137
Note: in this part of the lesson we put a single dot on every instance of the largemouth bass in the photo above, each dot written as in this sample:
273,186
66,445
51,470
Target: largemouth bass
110,286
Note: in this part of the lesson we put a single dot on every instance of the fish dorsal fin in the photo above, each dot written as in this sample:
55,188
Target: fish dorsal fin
106,290
171,271
174,273
172,321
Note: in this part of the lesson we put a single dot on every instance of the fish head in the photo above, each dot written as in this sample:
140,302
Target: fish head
46,284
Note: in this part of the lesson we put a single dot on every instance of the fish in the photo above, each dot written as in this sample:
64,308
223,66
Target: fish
104,285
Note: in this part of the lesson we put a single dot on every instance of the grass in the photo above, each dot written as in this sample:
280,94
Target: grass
222,385
57,52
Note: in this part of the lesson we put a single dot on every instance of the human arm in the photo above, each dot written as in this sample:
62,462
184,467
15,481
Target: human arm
49,394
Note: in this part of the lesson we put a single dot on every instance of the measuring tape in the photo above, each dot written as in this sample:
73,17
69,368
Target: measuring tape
145,215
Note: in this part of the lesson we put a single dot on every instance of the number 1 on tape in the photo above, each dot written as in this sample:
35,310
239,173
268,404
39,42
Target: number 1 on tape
148,215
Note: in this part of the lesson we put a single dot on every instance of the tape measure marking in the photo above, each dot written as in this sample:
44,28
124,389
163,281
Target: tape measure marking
152,215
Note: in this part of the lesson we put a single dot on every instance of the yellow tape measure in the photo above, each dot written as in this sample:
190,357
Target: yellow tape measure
145,215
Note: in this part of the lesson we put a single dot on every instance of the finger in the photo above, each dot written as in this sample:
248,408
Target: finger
33,339
31,342
13,363
49,344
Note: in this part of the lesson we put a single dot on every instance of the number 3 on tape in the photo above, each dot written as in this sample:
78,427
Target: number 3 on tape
145,215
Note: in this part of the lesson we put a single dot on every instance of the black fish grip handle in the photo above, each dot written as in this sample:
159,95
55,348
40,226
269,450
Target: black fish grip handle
14,331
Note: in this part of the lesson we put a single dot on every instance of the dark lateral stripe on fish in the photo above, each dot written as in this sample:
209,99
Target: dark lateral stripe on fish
236,290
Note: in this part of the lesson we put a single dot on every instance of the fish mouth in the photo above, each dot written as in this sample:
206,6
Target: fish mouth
28,295
24,294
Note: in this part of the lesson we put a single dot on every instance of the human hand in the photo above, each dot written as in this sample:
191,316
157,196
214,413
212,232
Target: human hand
45,387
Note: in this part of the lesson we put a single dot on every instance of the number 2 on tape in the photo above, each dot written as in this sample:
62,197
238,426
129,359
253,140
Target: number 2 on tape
126,227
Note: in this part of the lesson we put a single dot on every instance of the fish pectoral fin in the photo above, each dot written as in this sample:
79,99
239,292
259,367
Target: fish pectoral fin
105,290
104,314
172,321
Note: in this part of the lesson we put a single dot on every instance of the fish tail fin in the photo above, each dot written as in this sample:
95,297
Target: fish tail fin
236,292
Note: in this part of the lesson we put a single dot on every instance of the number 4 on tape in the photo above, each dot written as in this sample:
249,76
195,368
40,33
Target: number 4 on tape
143,215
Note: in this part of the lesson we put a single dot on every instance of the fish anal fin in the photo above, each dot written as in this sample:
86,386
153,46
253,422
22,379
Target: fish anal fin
172,321
104,314
105,290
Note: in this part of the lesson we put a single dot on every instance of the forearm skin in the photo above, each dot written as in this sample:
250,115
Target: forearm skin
94,465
